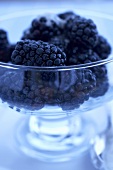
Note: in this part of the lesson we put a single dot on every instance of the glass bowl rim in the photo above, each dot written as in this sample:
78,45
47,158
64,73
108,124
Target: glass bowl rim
56,68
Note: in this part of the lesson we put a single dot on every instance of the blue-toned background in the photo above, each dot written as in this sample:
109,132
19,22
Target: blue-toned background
10,157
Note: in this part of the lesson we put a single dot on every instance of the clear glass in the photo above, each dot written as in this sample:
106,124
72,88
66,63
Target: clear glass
64,114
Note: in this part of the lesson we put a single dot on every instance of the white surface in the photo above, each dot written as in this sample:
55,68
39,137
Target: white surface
9,157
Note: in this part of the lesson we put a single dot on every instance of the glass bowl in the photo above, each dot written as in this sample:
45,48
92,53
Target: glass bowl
65,109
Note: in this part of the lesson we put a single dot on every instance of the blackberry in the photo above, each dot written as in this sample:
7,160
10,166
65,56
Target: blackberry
82,31
100,71
78,55
60,41
79,92
102,87
103,48
102,82
86,80
43,28
32,53
5,54
67,15
3,38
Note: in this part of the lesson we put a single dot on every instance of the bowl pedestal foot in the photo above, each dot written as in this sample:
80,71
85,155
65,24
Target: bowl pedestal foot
53,138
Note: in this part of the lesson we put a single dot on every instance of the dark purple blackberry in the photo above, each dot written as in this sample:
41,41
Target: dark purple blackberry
100,71
78,55
103,48
5,55
79,92
3,38
86,80
102,87
102,82
43,28
60,41
82,31
37,53
67,15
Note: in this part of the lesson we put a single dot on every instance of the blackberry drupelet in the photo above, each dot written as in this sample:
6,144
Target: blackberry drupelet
37,53
82,31
43,28
60,41
103,48
5,55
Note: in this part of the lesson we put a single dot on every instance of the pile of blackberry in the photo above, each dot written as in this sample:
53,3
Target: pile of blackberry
65,39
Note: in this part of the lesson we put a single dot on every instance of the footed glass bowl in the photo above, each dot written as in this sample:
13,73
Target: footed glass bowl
66,109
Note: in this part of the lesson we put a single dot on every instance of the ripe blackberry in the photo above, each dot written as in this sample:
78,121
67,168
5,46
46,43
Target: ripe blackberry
103,48
67,15
82,31
3,38
81,56
102,87
78,55
102,84
100,71
5,54
43,28
86,80
37,53
79,92
60,41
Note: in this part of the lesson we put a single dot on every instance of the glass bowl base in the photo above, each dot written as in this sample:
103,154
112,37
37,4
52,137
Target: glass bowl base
43,145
